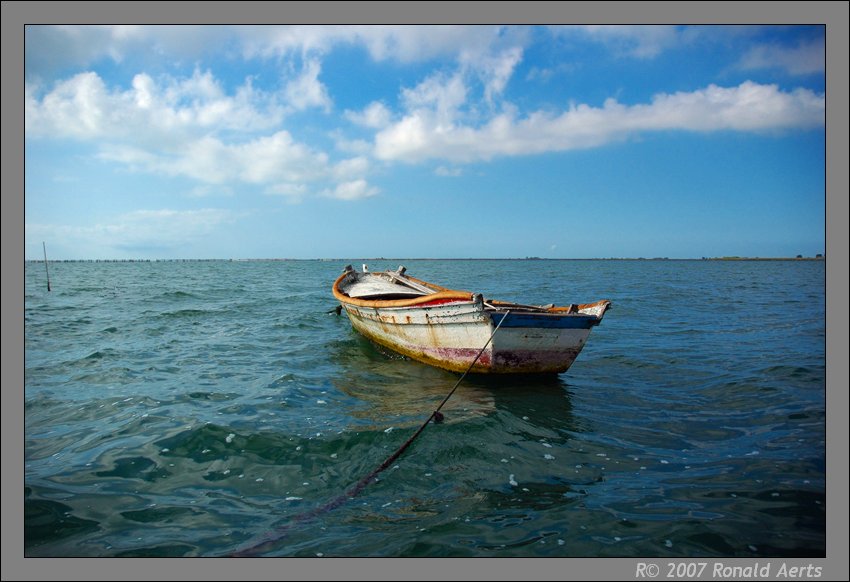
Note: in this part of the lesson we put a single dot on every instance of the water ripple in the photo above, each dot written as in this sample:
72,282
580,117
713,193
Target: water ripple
190,409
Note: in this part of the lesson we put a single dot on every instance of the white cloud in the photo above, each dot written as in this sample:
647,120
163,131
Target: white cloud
637,41
448,172
351,168
422,135
205,190
278,158
500,71
376,115
52,48
191,127
546,73
354,190
803,59
306,90
355,147
264,160
418,43
403,43
82,107
439,93
293,192
75,108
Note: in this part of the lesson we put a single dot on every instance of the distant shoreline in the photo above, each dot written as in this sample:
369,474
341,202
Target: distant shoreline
818,258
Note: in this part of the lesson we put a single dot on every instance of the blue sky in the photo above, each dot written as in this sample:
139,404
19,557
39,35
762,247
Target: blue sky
424,141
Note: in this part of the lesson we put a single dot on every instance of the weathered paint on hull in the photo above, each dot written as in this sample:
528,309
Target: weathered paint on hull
451,335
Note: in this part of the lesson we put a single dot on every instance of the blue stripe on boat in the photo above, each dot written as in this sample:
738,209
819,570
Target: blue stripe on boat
545,320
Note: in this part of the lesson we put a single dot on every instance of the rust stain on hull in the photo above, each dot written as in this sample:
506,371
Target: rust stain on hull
458,359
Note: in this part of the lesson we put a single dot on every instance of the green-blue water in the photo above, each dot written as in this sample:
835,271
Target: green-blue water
190,408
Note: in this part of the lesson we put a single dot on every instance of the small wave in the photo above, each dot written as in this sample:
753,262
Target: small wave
47,521
284,381
211,396
136,468
113,375
793,372
161,551
99,355
187,313
178,295
158,514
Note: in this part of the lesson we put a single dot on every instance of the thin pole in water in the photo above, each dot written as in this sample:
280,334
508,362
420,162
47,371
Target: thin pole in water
45,265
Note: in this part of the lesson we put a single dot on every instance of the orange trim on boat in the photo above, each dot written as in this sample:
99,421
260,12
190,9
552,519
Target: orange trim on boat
443,294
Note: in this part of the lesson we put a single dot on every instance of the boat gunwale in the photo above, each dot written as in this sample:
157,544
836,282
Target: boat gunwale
442,293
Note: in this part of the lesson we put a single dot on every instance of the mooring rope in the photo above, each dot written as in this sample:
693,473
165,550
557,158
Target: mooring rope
272,538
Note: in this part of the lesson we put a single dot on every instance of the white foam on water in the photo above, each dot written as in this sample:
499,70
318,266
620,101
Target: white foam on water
511,481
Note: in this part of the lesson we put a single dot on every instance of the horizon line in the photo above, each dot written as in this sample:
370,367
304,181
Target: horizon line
817,257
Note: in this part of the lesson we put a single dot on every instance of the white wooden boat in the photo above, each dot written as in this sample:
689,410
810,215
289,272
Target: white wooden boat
448,328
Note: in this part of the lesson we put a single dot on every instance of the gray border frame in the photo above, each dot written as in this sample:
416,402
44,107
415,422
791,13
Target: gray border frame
15,15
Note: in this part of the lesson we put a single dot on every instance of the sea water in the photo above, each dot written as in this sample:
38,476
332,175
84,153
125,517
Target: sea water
195,408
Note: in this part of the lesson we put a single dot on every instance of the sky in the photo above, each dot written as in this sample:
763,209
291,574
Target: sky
236,142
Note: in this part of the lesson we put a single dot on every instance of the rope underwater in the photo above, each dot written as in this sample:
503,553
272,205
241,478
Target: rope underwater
275,536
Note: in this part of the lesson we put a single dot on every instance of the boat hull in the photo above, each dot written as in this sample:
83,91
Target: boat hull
451,335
